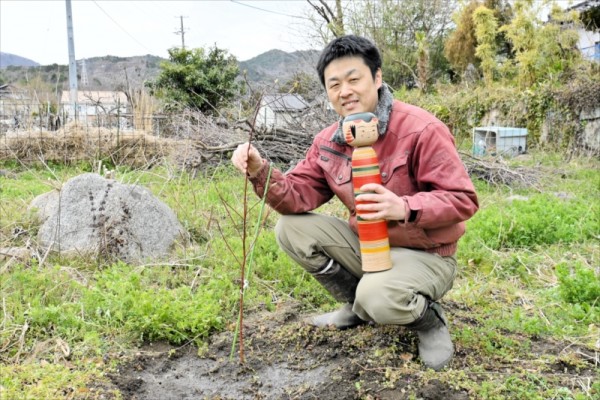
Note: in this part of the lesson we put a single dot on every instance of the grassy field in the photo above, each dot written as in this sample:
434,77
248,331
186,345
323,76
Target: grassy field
529,266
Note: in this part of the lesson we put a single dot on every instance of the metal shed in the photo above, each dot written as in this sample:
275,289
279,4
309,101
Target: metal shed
499,140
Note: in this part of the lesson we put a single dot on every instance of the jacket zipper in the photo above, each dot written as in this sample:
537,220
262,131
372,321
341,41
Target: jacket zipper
337,153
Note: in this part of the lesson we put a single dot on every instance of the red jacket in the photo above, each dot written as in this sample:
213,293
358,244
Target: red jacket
418,161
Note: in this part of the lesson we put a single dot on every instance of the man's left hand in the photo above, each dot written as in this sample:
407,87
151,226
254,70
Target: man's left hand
381,204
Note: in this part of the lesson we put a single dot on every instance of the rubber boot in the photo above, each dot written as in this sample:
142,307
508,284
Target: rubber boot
342,286
435,344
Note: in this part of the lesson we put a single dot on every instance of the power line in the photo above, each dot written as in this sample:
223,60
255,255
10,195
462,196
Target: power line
269,11
120,27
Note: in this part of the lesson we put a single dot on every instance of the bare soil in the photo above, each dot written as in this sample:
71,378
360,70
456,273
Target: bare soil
284,358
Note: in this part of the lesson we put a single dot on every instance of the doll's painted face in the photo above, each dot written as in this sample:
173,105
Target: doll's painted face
360,129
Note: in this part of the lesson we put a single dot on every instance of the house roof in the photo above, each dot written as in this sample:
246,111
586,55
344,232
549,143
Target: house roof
9,88
95,96
320,101
284,102
10,91
584,5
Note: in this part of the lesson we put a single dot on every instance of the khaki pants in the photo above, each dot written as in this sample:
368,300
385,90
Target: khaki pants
397,296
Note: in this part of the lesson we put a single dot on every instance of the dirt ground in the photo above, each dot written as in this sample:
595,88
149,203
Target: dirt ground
288,359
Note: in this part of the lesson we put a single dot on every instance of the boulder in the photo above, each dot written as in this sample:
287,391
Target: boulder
91,215
45,205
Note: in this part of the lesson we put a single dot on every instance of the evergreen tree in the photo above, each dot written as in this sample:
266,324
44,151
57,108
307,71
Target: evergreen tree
192,78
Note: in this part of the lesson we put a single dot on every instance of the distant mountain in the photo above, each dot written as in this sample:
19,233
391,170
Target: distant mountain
7,59
112,73
101,73
277,64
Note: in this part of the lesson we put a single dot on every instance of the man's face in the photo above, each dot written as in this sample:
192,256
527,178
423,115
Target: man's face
350,86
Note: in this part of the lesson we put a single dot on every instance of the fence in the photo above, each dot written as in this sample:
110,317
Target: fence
48,121
76,143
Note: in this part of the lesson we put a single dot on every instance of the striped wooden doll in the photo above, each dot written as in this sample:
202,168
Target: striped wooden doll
360,132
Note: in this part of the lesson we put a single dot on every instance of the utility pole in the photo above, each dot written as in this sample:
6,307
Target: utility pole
181,32
72,63
84,75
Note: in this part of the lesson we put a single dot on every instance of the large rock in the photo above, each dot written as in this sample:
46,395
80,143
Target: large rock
96,216
45,205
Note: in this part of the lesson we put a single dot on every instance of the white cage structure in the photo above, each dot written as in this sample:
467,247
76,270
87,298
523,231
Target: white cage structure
499,140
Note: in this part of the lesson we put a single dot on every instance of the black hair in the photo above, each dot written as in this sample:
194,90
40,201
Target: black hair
348,46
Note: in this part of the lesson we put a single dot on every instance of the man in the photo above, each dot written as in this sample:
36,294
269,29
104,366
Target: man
425,196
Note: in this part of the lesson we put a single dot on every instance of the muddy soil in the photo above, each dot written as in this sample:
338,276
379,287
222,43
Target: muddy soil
286,359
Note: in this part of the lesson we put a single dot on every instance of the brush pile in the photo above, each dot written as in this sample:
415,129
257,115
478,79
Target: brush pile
213,139
497,172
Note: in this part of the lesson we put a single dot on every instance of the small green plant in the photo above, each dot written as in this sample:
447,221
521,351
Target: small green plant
125,298
579,284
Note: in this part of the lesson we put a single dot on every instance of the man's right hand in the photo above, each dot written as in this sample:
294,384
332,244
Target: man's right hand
247,159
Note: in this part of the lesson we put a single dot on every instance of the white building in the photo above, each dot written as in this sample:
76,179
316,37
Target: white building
280,111
589,41
93,103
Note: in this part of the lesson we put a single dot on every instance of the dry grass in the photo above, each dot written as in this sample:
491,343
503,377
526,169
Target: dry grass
143,107
76,142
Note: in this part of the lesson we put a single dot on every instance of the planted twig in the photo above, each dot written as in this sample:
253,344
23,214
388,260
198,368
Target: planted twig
244,252
247,252
226,242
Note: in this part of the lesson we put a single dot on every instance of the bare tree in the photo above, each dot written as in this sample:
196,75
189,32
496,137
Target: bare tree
334,20
393,25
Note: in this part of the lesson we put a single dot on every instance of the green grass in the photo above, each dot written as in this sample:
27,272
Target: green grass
53,381
527,267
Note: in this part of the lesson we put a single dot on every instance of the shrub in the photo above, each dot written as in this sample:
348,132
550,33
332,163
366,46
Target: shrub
578,284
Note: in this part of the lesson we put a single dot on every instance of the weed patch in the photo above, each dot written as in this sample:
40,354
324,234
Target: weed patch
542,219
579,284
523,312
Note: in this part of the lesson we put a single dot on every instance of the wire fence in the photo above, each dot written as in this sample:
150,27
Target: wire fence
75,143
153,124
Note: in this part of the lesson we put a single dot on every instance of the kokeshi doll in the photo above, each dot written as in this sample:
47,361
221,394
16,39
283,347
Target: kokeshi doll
360,132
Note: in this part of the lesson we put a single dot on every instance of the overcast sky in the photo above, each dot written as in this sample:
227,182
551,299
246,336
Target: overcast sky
38,30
